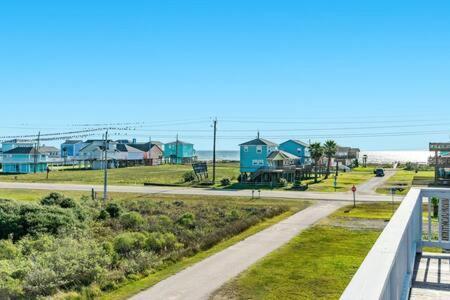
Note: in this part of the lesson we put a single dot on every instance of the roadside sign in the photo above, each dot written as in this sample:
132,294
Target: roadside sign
200,169
354,189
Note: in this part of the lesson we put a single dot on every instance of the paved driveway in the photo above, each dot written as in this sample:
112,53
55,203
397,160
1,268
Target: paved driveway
202,279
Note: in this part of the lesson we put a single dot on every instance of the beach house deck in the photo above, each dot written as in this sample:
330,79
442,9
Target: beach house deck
396,266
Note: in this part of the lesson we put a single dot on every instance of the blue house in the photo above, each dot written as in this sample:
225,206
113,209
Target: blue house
254,153
179,152
71,148
24,160
297,148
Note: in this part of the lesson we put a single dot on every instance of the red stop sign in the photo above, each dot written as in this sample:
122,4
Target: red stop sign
354,189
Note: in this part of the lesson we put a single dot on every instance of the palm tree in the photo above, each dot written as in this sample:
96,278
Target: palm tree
329,149
316,152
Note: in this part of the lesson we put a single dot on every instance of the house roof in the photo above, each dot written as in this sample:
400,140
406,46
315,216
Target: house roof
89,147
48,149
297,142
72,142
22,150
259,141
281,155
19,141
99,140
180,142
145,146
127,148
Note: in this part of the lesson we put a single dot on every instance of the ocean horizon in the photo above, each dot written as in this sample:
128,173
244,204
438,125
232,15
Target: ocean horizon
382,156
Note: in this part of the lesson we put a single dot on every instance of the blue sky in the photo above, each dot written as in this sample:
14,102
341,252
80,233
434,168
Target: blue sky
364,68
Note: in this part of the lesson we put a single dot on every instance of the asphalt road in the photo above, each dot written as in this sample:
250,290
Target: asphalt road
202,279
338,196
369,187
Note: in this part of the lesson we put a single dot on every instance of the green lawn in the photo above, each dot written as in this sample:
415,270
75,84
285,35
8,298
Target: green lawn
344,183
404,180
164,174
318,263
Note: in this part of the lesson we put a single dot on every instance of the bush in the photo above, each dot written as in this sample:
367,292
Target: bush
283,182
64,262
189,176
131,220
225,181
128,241
159,242
103,215
8,250
59,200
233,216
113,210
187,220
19,219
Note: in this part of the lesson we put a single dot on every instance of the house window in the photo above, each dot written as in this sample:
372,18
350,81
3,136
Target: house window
245,148
258,149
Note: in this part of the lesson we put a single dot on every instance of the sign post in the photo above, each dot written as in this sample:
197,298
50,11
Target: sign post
354,196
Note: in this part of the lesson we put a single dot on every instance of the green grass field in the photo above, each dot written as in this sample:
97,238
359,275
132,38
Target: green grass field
344,183
318,263
164,174
173,175
404,180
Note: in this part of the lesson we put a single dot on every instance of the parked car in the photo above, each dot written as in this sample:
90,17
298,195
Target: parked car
379,172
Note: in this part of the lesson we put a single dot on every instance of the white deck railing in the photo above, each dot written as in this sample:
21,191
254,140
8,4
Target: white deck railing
386,272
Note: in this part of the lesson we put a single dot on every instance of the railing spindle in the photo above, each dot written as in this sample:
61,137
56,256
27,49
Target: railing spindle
440,220
429,219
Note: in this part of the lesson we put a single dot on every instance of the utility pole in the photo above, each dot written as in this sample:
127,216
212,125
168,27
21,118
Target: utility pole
214,151
105,180
36,152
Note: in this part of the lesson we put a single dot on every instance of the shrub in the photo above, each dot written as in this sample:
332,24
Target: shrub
8,250
59,200
178,203
187,220
65,262
283,182
128,241
189,176
103,215
113,210
19,219
139,262
159,242
131,220
225,181
233,216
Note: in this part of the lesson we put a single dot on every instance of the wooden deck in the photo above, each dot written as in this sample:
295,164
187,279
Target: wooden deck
431,279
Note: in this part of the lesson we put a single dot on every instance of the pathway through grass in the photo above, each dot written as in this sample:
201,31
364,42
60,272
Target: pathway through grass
318,263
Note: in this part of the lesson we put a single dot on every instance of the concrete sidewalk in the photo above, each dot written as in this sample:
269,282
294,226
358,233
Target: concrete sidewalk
202,279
